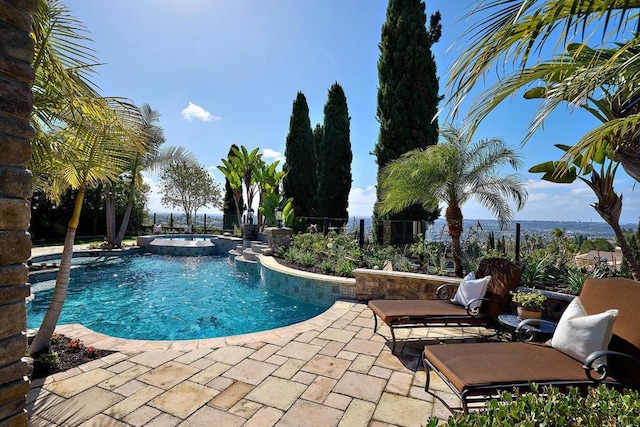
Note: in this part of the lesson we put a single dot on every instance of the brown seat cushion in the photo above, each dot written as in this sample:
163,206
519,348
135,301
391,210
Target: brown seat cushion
479,364
389,310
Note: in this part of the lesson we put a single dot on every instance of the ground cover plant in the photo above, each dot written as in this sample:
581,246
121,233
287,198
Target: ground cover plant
64,353
600,406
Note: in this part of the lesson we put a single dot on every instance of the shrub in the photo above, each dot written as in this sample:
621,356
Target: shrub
45,363
601,406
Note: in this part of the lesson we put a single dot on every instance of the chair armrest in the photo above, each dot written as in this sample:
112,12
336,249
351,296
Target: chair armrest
527,334
444,293
475,311
603,368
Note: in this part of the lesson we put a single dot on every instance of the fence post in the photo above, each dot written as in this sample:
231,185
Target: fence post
325,225
361,234
517,241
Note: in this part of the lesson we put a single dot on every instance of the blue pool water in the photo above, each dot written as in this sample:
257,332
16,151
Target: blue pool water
157,297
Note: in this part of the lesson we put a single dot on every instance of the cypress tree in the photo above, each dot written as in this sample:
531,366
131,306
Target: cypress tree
229,216
334,181
408,89
300,181
318,132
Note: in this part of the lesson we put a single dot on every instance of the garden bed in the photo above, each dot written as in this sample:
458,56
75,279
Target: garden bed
70,353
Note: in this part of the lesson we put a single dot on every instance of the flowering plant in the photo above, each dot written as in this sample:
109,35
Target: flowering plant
75,345
529,299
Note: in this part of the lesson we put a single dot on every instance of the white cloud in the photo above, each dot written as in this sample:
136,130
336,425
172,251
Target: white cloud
361,201
193,111
272,155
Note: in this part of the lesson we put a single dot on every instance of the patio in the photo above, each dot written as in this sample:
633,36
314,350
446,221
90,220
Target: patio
331,370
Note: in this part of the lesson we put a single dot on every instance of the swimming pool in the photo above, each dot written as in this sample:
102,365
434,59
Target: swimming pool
156,297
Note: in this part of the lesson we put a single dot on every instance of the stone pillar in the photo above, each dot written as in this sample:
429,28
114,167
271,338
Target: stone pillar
249,234
16,103
278,237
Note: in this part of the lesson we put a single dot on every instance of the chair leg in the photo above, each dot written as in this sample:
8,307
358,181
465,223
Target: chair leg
427,374
393,338
375,323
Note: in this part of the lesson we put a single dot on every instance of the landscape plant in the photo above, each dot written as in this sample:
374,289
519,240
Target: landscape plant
300,181
548,406
519,32
408,93
334,178
189,187
452,173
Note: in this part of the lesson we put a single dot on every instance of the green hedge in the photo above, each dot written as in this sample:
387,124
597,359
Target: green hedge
601,406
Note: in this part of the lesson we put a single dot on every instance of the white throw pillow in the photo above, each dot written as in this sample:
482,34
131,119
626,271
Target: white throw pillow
471,288
578,334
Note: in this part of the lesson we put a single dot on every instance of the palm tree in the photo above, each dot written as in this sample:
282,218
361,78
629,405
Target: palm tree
81,138
452,172
88,153
153,160
516,31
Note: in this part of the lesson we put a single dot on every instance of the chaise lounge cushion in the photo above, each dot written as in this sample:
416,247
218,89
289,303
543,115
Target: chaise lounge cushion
390,310
502,363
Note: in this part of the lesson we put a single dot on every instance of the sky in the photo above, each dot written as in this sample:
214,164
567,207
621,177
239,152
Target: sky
223,72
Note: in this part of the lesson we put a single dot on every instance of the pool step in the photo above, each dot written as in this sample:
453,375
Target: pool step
244,265
250,255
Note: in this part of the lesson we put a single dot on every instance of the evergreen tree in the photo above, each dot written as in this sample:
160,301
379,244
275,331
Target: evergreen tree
318,132
334,179
229,214
408,90
300,181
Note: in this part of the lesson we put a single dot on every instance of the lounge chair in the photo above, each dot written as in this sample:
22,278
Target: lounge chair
477,371
439,312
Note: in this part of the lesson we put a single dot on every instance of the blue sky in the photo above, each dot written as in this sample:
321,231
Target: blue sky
227,71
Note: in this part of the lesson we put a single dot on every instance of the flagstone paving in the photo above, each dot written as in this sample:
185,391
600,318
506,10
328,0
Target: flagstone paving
332,370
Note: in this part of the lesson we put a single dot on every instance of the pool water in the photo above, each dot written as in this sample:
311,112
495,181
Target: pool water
156,297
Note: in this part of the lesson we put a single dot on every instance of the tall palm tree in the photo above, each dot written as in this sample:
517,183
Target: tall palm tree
520,31
81,138
87,153
153,160
453,172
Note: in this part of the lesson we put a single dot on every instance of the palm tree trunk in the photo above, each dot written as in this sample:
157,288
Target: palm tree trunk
127,214
453,216
626,251
43,337
111,216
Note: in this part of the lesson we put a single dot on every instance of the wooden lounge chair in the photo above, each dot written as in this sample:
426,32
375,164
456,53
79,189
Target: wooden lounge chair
477,371
439,312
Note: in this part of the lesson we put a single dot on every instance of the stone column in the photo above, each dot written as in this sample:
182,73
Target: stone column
278,237
16,103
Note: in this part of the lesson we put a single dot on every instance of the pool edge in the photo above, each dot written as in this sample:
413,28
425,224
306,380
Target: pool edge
89,337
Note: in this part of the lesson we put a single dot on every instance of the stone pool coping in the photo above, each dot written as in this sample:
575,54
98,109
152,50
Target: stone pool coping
103,341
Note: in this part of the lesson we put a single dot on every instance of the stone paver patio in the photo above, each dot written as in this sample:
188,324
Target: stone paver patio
331,370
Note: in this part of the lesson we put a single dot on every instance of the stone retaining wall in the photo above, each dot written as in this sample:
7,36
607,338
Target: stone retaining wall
380,284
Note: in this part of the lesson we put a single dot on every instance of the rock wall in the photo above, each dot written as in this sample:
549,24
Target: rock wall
380,284
16,103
